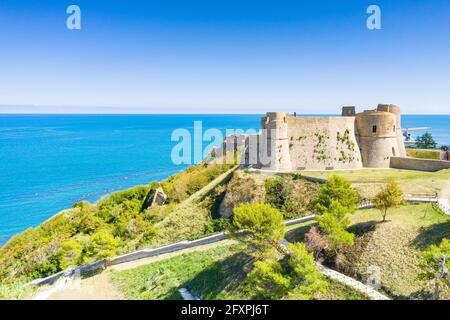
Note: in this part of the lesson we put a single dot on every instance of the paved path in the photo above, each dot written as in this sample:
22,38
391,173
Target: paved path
99,287
342,278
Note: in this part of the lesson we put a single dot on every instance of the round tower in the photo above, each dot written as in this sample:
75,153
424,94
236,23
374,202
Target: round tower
277,143
396,111
377,135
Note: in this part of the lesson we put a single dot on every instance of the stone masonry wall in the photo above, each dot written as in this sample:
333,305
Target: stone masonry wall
323,143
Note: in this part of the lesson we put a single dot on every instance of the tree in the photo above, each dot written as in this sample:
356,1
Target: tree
268,281
69,253
338,189
263,225
305,278
334,223
103,245
391,196
426,141
272,279
436,265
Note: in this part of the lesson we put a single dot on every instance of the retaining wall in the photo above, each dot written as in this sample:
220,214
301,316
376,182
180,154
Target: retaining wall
419,164
145,253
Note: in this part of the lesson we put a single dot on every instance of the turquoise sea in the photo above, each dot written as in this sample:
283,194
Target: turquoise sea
49,162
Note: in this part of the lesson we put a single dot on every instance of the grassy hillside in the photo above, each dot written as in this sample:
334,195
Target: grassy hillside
424,154
218,273
369,181
395,246
119,223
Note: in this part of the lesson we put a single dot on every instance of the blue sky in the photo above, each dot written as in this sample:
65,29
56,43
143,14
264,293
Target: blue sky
220,56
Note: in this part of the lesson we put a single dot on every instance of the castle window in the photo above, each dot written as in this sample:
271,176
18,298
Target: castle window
394,128
393,151
374,129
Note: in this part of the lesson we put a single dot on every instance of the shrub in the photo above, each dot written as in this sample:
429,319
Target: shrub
263,225
70,253
268,281
272,279
436,265
340,190
334,223
184,184
103,245
292,195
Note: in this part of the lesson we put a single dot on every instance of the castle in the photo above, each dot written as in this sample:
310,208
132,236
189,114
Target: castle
354,140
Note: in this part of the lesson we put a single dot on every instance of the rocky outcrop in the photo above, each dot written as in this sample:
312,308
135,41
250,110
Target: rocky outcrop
159,198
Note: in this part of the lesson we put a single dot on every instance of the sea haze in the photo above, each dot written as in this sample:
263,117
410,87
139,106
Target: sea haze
49,162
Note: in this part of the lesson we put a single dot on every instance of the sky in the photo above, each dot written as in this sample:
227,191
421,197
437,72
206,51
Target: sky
223,56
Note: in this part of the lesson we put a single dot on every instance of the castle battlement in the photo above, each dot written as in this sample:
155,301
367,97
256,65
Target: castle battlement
351,141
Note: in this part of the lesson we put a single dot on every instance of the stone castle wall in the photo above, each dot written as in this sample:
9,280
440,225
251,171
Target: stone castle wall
352,141
323,143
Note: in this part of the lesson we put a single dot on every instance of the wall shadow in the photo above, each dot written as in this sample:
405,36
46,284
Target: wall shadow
226,275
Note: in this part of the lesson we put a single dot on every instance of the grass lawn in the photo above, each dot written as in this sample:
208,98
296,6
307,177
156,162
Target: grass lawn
368,181
424,153
395,246
190,219
218,273
16,291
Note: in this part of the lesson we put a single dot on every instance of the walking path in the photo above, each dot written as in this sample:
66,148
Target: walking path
99,286
342,278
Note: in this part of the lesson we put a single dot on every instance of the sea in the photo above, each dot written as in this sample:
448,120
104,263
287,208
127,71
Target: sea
50,162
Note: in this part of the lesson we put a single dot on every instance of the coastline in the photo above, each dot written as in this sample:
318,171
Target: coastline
67,159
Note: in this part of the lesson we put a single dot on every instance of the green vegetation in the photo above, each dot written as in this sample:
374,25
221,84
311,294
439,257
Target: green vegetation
274,279
242,188
184,184
119,223
279,269
426,141
436,266
218,273
334,201
396,247
16,291
334,223
391,196
291,194
261,266
423,154
263,225
369,181
339,190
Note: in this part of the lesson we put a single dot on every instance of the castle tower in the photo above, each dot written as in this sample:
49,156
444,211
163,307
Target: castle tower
348,111
276,146
395,110
377,135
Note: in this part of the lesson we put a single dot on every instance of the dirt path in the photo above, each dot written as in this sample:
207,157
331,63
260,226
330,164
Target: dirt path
100,287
